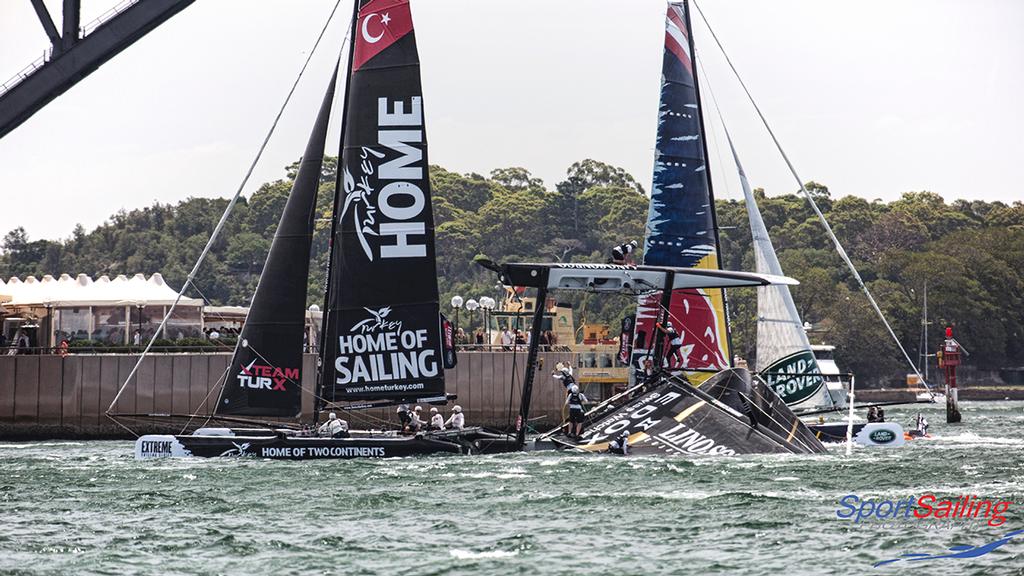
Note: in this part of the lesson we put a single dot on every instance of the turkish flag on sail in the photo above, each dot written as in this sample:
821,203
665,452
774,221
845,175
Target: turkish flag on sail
381,23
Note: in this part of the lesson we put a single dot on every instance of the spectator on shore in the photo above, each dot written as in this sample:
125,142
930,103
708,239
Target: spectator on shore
137,338
506,339
478,338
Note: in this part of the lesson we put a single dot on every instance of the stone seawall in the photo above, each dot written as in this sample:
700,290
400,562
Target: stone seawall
67,397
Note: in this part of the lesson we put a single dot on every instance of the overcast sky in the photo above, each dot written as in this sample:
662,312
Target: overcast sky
870,97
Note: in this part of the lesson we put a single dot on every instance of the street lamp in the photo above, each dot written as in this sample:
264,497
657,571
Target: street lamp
487,303
472,305
457,305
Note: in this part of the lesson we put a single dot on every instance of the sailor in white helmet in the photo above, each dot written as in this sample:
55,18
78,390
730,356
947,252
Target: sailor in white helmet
563,372
574,400
623,253
334,427
456,420
416,423
436,420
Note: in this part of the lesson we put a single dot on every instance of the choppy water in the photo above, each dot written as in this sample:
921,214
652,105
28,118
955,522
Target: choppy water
88,507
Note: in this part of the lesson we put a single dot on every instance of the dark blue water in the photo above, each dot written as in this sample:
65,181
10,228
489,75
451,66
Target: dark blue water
90,508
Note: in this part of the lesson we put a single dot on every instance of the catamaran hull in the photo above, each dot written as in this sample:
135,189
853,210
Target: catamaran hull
279,447
728,414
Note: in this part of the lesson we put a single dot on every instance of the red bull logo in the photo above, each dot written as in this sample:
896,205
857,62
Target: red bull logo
693,338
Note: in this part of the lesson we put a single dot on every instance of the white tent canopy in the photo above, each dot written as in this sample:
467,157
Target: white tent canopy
83,291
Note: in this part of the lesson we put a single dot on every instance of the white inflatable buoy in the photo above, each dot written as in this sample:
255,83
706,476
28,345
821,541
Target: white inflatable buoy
880,434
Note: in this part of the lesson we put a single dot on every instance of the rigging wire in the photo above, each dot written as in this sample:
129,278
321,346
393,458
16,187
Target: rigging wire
227,211
810,200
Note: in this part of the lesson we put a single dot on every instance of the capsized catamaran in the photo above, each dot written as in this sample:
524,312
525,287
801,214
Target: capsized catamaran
383,339
698,402
729,413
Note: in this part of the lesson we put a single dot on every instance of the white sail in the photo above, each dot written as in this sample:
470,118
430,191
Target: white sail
784,356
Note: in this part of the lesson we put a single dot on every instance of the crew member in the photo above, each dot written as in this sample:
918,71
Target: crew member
457,420
675,343
415,422
574,400
873,414
563,372
333,428
403,417
623,253
621,444
436,420
881,414
922,425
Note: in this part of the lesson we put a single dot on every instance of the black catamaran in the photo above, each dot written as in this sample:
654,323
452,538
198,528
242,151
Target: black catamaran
382,327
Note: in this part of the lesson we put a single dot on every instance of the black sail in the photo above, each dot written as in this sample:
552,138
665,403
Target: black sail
265,374
383,334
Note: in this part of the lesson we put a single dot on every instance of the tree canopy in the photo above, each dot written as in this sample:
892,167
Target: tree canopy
969,253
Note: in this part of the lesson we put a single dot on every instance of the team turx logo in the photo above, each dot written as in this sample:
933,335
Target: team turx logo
262,377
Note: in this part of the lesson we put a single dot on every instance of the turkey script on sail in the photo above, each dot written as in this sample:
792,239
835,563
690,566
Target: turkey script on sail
383,337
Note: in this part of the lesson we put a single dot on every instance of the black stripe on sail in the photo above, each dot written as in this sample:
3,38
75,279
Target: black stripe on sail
383,336
265,374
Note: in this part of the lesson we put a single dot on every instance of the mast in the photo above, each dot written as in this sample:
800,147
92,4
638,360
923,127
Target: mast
318,396
531,367
707,172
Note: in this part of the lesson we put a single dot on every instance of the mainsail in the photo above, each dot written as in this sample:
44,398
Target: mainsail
784,356
681,226
383,331
264,377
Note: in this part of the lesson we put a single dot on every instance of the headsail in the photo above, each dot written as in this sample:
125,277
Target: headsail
681,227
264,377
383,337
784,356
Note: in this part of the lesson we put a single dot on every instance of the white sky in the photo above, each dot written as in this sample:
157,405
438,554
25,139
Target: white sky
871,97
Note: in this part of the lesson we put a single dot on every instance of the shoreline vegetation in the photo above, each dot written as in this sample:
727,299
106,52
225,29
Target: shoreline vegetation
970,253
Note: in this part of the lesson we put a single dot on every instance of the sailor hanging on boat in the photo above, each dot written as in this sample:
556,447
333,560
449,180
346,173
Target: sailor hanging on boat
334,427
921,427
563,372
675,344
457,421
436,420
621,444
623,253
574,400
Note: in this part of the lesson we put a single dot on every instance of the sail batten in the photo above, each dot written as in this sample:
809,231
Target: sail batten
383,337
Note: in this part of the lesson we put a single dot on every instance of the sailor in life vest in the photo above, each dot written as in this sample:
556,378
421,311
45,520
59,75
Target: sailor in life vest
436,420
403,417
922,425
621,444
334,427
623,253
675,344
563,372
457,420
415,422
574,400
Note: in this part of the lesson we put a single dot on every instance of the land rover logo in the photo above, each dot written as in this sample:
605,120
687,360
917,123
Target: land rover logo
795,378
882,436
